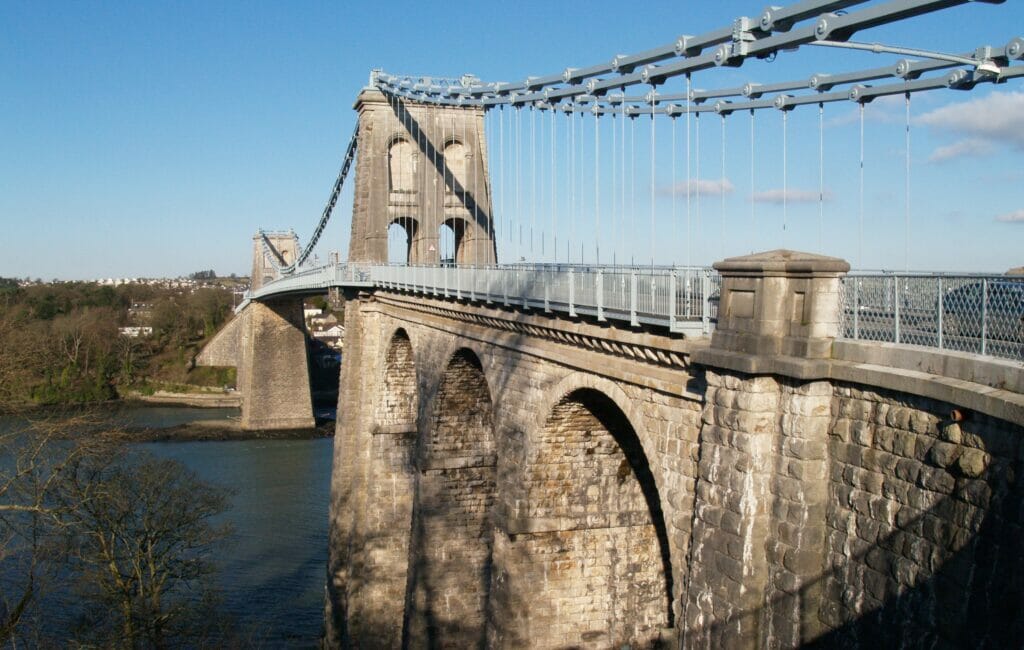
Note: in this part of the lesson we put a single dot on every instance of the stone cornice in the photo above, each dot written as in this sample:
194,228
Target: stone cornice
643,347
631,357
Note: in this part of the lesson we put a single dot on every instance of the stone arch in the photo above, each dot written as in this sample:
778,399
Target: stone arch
589,526
387,461
451,235
398,398
403,161
453,530
401,234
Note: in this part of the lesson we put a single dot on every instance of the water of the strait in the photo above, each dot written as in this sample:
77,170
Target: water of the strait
273,566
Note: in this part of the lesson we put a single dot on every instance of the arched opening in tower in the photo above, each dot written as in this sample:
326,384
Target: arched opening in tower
456,156
585,557
451,240
401,232
450,572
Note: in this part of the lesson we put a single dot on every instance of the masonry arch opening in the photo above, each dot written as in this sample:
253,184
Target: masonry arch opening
593,528
451,239
453,528
390,460
401,232
399,397
456,158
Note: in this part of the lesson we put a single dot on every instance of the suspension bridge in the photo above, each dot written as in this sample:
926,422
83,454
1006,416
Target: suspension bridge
555,430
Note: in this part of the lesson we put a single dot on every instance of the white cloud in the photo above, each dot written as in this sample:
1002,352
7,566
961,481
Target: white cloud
1017,216
777,196
963,148
887,109
702,186
995,118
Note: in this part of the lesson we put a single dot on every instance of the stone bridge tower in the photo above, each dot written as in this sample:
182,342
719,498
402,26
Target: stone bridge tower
284,247
424,169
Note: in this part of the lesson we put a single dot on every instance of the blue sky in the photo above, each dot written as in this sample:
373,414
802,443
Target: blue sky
153,139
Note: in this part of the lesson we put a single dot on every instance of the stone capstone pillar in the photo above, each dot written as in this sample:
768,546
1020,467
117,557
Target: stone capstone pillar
758,542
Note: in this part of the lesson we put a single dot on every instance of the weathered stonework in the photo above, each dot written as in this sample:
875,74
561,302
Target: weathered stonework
587,518
421,167
266,343
530,482
274,375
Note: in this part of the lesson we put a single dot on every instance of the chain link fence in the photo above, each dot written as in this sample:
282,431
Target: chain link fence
983,314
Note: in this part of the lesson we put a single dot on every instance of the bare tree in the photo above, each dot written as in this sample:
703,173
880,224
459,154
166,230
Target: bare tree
35,465
141,538
134,535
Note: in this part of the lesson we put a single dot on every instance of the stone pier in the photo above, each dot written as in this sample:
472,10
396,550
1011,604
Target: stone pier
267,345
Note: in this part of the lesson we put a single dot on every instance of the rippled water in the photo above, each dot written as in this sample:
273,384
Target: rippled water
273,571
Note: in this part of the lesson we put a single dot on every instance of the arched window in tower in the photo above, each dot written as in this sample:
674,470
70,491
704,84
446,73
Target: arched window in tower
403,161
456,159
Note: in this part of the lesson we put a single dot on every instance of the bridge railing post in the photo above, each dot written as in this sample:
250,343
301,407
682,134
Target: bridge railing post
705,297
504,287
896,308
572,293
984,314
632,300
672,300
472,283
458,282
521,291
856,308
599,294
941,308
547,291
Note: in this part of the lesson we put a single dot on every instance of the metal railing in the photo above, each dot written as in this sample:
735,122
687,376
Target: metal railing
983,314
682,299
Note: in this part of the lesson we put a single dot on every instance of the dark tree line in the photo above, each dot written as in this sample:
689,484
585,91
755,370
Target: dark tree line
60,343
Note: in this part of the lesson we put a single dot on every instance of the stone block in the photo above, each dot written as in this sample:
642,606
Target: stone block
944,454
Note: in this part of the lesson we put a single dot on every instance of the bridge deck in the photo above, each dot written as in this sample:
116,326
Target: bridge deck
931,310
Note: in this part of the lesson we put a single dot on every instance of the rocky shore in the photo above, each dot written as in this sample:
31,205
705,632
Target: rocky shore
200,430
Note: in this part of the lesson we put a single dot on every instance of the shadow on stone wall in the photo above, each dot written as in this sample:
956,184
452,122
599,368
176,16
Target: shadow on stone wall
435,158
926,582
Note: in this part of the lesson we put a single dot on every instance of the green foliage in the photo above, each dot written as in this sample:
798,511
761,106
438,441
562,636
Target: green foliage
59,343
319,302
212,376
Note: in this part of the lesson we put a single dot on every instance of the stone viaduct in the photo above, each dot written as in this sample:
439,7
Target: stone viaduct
510,478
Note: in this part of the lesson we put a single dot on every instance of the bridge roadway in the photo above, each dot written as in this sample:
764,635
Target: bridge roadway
683,300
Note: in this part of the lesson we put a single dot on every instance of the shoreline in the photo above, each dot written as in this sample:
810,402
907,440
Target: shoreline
219,430
210,399
102,422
